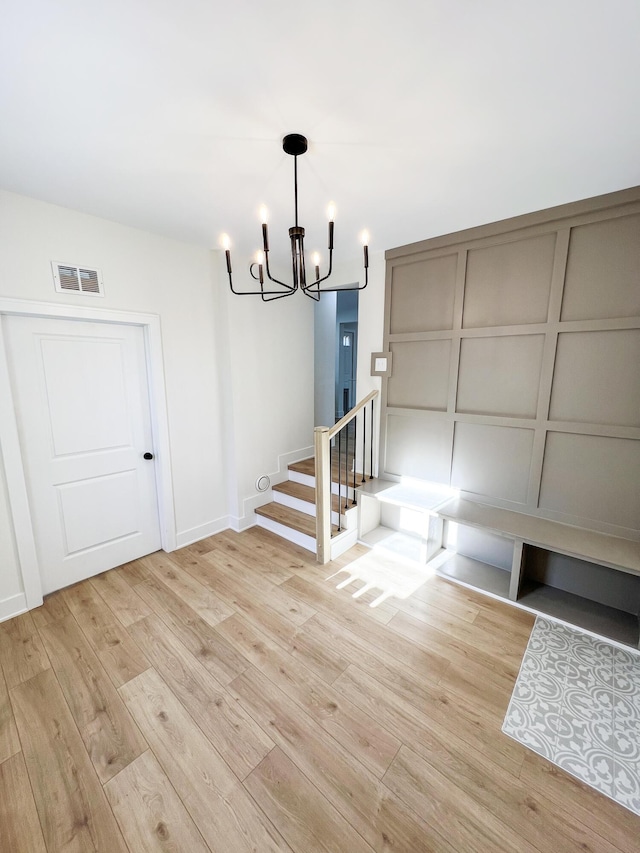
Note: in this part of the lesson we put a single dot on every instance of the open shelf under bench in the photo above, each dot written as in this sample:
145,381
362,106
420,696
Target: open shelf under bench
402,518
584,577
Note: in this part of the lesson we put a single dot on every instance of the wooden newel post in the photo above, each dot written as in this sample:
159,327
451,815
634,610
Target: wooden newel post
322,444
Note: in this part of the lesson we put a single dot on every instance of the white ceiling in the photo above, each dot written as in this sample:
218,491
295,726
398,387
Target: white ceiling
423,117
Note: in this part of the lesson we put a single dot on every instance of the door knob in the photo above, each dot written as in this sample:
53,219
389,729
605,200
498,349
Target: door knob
148,456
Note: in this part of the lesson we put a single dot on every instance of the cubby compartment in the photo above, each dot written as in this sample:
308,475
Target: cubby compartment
586,578
402,518
597,598
479,558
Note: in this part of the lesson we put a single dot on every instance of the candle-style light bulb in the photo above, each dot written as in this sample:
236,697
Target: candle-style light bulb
264,216
260,262
331,213
316,262
364,239
225,242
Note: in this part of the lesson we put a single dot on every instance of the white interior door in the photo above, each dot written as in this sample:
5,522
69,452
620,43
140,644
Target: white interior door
82,406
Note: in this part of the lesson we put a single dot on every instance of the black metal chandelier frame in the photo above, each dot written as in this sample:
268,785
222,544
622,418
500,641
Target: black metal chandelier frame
295,145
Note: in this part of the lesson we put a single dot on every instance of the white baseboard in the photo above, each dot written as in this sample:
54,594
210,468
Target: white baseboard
342,542
244,523
13,606
195,534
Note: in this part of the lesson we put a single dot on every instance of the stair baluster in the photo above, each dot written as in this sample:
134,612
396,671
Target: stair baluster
323,467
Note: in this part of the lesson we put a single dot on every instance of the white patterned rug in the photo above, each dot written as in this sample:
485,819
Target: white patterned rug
577,703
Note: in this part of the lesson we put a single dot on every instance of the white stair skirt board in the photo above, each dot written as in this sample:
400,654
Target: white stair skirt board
287,533
577,703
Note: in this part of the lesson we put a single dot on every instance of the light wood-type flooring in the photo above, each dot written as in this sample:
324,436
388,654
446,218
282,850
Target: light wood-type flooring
226,697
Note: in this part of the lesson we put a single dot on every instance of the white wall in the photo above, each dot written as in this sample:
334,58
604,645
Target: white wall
370,321
324,316
271,377
239,374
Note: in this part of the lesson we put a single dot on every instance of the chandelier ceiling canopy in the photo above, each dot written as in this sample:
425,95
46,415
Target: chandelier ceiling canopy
295,145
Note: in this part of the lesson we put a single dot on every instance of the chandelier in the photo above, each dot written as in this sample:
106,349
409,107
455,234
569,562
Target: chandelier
294,144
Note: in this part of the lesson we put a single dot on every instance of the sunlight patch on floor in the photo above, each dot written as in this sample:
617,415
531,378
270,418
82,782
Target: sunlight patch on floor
394,575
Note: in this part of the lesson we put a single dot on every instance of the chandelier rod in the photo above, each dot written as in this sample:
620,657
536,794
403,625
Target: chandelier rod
295,185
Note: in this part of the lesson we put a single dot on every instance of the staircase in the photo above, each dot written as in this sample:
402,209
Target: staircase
292,513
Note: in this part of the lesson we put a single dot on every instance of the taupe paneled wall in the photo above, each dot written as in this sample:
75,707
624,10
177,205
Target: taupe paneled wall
516,363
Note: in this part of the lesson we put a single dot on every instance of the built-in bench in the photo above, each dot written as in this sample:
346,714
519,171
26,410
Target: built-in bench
588,578
584,577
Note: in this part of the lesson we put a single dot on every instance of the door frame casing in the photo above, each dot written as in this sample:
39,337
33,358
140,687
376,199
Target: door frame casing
10,437
347,326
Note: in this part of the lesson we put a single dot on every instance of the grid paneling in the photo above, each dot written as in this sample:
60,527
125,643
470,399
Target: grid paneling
516,352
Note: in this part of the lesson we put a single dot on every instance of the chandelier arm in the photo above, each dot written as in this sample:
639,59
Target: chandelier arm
314,286
332,289
272,297
265,249
262,292
290,288
312,295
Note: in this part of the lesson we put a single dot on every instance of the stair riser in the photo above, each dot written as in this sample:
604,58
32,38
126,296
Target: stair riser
306,480
349,518
287,533
303,479
294,503
306,507
344,491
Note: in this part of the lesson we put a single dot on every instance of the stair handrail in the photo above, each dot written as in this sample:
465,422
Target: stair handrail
322,443
335,429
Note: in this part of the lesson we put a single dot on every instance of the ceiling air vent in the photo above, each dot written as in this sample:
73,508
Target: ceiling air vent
77,279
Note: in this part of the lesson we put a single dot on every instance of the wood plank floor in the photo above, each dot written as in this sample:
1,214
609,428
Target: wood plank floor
228,698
